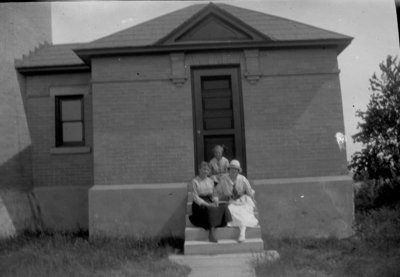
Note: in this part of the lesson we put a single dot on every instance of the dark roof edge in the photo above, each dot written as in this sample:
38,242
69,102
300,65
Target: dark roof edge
85,54
47,69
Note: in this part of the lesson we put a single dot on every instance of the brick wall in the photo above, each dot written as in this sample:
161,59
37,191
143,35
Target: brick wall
142,122
56,169
143,126
292,115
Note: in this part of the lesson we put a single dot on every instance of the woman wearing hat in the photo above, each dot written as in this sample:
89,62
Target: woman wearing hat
206,211
235,188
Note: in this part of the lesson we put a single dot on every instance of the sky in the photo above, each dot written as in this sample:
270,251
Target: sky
372,24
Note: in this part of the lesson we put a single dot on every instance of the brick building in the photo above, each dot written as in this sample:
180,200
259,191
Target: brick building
118,125
23,27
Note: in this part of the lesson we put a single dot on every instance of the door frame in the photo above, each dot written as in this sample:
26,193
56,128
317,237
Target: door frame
237,69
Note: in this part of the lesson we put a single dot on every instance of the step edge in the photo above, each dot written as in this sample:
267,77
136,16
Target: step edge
220,228
222,241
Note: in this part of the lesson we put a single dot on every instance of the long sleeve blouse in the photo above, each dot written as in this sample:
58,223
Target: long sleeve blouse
202,187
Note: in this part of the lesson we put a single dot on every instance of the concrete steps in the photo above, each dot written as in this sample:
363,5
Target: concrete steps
225,246
199,234
197,243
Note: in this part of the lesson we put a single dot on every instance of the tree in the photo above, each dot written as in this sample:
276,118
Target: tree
378,161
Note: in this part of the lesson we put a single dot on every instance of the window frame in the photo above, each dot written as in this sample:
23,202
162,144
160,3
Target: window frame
59,140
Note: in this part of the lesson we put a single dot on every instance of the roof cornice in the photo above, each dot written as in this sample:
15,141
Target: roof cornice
87,54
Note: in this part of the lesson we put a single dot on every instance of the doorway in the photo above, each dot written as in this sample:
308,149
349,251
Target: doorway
218,113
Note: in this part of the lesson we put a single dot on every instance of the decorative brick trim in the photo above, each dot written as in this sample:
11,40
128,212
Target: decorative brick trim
70,150
321,179
60,188
286,75
69,90
178,72
140,186
253,72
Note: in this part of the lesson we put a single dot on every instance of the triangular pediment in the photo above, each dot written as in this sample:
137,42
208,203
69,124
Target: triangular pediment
213,28
213,24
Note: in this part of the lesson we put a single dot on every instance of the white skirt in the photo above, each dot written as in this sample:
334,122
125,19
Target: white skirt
242,211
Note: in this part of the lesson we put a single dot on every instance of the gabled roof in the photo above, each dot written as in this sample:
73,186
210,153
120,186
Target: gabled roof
147,33
281,29
150,32
188,28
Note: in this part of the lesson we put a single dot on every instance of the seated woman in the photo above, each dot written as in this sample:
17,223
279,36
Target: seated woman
219,164
206,212
236,189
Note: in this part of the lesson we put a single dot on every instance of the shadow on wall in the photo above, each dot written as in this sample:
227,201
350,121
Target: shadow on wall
19,209
175,225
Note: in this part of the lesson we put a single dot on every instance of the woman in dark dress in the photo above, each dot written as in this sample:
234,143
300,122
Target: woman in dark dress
206,211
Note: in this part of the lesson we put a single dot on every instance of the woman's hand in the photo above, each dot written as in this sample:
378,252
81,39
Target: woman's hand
213,204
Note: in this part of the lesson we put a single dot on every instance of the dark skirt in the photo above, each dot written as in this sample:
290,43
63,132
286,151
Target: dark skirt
208,217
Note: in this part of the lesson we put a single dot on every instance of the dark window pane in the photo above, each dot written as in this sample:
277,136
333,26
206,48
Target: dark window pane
217,113
71,110
217,93
217,103
216,84
72,131
218,123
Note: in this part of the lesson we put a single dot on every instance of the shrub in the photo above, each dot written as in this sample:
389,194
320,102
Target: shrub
379,133
372,194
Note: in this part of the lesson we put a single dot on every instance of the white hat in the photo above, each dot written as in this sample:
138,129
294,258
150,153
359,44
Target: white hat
235,164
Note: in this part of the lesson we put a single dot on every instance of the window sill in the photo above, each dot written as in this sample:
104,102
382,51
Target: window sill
70,150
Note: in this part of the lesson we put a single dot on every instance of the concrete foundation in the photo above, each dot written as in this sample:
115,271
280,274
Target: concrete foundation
317,207
301,207
149,210
63,208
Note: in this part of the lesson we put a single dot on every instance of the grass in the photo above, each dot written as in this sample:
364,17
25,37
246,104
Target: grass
73,255
373,251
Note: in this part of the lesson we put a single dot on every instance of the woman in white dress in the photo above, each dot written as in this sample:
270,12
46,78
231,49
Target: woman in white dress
236,189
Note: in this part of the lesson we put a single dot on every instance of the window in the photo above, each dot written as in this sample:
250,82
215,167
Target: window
69,121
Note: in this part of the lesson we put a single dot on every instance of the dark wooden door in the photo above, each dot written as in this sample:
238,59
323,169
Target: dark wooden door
218,113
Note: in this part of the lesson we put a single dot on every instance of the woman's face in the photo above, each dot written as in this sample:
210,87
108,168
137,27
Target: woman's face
233,172
204,171
218,153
